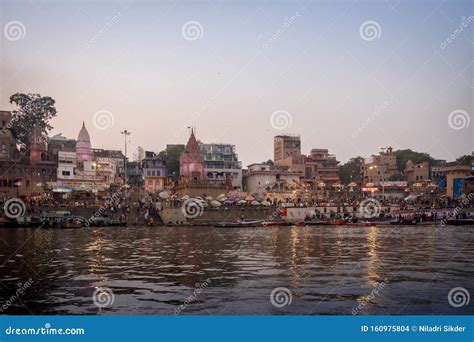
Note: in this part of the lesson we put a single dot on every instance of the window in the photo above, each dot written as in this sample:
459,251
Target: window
66,173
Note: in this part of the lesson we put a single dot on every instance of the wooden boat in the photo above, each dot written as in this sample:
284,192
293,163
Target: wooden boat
361,224
274,223
460,222
238,224
337,222
69,222
317,223
404,222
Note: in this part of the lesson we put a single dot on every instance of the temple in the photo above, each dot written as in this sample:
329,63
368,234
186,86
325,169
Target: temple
83,145
193,180
191,162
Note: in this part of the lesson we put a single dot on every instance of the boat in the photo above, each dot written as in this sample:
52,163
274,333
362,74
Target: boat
238,224
337,222
404,222
317,223
69,222
274,223
361,224
460,222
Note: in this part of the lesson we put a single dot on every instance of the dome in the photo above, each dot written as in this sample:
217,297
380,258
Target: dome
83,144
83,134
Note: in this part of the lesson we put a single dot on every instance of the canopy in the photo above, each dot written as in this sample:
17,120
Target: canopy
215,203
164,194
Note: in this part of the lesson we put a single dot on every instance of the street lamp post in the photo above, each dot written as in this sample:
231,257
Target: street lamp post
126,134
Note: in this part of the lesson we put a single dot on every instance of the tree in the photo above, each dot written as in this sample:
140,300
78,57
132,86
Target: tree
269,162
171,158
351,171
33,114
465,160
403,156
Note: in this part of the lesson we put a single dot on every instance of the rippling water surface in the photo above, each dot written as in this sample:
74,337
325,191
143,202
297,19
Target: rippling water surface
161,271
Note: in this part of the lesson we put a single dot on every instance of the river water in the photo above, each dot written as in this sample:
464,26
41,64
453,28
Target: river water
334,270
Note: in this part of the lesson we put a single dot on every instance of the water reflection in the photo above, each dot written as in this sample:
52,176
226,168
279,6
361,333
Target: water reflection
329,270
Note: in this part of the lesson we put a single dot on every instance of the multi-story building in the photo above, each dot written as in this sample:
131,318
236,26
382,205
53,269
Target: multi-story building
221,163
116,155
415,173
380,168
265,181
154,174
81,169
135,173
321,166
456,176
24,173
285,149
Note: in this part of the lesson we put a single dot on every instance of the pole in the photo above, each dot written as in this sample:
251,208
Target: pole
126,134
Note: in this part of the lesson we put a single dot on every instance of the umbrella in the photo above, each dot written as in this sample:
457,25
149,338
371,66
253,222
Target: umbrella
242,202
185,197
215,203
255,203
352,184
250,198
164,194
266,203
220,197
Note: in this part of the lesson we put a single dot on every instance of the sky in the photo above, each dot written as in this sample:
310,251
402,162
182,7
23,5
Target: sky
350,76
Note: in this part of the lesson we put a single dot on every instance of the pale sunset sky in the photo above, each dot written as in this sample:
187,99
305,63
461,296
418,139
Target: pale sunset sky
349,76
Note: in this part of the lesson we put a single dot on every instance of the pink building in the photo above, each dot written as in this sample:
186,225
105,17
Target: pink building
191,162
83,145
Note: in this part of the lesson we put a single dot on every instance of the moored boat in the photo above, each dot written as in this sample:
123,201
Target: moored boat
460,222
238,224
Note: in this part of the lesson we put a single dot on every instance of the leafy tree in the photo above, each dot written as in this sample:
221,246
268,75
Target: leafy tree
269,162
351,170
403,156
465,160
170,158
33,113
